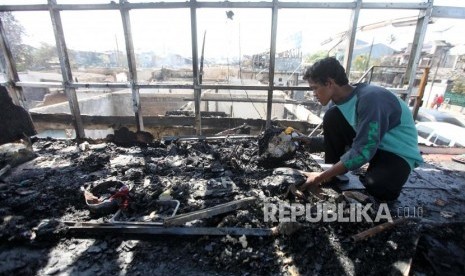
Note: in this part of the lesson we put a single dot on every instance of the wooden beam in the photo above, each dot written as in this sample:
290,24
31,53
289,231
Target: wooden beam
351,35
208,212
377,229
131,65
66,68
417,44
63,121
16,93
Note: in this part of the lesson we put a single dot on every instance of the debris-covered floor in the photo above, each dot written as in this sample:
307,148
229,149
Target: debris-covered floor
38,197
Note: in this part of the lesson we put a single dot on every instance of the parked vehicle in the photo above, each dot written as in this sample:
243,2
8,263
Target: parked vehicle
433,115
440,134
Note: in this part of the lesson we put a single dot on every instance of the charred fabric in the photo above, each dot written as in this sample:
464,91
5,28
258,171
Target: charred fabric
196,205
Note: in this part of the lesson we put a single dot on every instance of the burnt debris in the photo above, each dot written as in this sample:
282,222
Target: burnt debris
195,185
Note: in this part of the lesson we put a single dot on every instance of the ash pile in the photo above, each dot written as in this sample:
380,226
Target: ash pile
69,186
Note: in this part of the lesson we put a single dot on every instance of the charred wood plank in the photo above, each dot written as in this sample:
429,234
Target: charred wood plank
377,229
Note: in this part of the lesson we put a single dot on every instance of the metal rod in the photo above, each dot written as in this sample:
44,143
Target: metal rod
195,69
202,57
274,29
208,212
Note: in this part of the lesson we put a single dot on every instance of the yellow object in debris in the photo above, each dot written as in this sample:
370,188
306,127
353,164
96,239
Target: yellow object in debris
166,195
289,130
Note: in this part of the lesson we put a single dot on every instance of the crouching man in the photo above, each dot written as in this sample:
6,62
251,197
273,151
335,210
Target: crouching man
366,124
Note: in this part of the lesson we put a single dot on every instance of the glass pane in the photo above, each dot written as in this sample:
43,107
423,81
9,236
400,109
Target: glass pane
234,42
162,43
383,39
301,41
96,46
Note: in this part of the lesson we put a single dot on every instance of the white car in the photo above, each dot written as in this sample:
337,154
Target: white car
440,134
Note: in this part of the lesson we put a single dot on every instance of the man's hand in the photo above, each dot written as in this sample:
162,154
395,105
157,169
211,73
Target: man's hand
312,180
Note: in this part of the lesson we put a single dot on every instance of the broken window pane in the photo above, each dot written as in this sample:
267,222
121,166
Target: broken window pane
237,44
383,39
162,45
32,43
96,47
300,42
31,40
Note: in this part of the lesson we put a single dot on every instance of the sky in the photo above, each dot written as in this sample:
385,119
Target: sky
248,32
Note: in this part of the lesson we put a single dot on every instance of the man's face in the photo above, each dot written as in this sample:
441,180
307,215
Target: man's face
320,91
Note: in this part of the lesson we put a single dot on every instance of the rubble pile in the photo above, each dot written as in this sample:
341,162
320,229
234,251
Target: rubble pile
40,195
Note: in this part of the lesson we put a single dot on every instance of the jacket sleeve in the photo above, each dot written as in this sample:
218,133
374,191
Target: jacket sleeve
374,113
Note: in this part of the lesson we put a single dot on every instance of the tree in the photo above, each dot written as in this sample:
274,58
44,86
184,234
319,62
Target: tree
359,63
43,56
311,58
14,32
458,87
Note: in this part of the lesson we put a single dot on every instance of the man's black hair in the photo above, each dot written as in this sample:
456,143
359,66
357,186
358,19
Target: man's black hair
324,69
